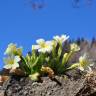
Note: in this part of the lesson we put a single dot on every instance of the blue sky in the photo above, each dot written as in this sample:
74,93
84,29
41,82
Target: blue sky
20,24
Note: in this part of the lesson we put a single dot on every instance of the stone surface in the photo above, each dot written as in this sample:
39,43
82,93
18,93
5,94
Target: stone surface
25,87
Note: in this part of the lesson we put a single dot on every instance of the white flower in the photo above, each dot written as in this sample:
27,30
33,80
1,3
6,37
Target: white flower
12,49
11,62
74,47
43,46
84,63
61,39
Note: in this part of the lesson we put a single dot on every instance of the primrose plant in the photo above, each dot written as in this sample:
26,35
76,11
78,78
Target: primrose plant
46,57
29,64
58,61
13,57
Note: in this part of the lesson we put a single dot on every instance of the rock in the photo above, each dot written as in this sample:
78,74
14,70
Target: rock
2,93
25,87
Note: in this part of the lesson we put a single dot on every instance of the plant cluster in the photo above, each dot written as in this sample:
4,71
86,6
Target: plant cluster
46,57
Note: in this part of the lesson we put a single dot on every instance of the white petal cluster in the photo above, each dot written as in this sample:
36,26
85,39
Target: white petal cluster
43,46
84,63
60,39
74,47
12,49
11,62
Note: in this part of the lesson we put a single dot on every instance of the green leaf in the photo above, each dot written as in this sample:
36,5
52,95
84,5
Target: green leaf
59,51
64,59
73,66
35,62
24,65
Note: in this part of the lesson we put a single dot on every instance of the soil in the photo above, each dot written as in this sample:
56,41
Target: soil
23,86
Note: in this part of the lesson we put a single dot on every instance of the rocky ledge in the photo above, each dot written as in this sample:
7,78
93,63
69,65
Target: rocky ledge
62,86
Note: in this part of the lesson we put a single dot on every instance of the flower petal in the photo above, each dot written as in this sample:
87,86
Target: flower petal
16,59
61,39
40,41
81,68
11,48
49,43
56,38
64,38
42,50
15,65
74,47
8,66
92,64
89,69
35,47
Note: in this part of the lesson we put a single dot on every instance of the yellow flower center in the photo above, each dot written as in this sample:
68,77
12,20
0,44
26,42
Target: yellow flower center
44,45
11,61
83,63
